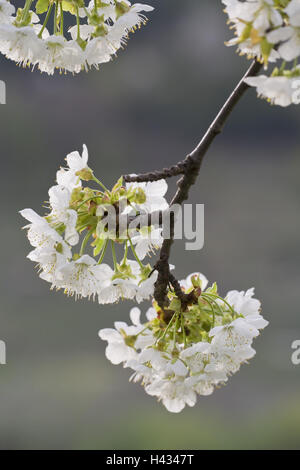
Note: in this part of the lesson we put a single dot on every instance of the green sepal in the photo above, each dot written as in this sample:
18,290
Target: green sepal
83,45
213,289
266,49
100,30
98,244
118,184
19,22
246,33
121,8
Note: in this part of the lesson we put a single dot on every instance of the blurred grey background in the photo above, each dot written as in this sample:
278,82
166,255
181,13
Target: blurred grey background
147,109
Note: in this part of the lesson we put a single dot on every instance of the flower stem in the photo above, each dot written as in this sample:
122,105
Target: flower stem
55,18
183,330
134,252
212,309
61,19
113,250
212,302
125,253
160,338
95,6
85,240
100,184
175,331
103,252
282,66
87,200
78,23
26,10
223,300
46,20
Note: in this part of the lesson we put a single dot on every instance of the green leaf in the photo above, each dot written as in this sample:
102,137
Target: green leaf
42,6
69,6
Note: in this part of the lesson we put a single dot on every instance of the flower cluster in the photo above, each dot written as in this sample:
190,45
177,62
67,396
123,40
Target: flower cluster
101,28
178,353
71,240
269,30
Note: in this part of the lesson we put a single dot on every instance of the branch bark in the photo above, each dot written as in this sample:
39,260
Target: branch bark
189,168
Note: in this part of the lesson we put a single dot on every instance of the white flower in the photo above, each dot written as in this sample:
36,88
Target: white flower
174,394
197,356
205,382
51,252
28,45
234,335
176,370
83,277
40,233
122,287
206,371
108,11
20,44
86,31
6,11
293,12
244,304
229,359
154,192
117,289
289,35
68,177
278,90
98,51
164,377
147,239
61,54
117,350
62,214
145,288
133,17
162,363
50,260
261,15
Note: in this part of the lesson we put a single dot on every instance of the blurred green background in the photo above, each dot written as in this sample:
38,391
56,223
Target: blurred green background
146,109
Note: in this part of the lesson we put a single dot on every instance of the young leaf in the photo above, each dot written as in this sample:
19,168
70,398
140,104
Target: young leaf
41,6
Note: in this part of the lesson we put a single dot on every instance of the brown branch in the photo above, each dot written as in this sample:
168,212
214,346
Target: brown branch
192,160
192,165
189,168
175,170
